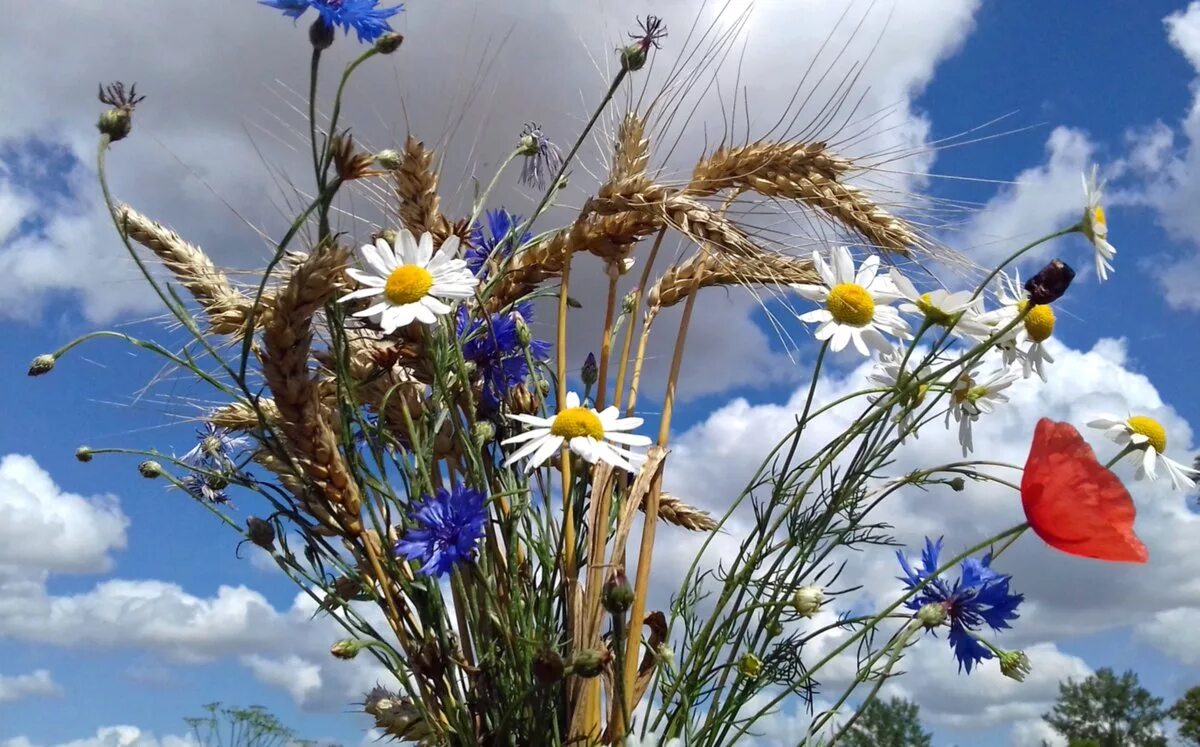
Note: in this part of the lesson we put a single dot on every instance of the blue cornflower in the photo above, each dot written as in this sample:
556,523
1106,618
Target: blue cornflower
495,348
495,240
367,20
214,449
543,159
448,526
979,596
208,488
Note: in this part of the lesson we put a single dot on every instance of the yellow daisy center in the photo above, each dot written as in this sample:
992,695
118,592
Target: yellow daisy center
577,421
407,284
933,313
851,304
1039,322
1151,429
1098,217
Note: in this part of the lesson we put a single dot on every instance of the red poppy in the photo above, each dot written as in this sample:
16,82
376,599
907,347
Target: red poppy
1073,502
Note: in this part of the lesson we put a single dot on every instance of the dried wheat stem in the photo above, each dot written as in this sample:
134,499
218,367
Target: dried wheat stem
637,303
226,308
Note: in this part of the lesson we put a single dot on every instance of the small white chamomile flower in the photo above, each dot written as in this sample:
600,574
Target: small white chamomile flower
973,396
961,312
855,304
1024,342
1148,435
1095,225
411,279
595,436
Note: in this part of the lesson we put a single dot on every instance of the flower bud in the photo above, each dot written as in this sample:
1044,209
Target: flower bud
618,594
1050,283
932,615
588,662
633,57
807,600
261,533
389,159
387,235
346,649
83,454
150,469
524,336
589,373
628,301
320,34
548,666
574,303
1015,665
389,42
116,123
774,628
750,666
483,433
42,364
958,484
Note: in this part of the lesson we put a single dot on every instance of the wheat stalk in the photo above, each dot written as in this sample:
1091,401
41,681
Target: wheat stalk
416,186
705,270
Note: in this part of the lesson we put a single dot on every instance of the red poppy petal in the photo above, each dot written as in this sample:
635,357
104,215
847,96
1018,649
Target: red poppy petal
1073,502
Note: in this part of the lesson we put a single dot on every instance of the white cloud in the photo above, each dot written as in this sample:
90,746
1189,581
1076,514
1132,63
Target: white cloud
1036,733
48,529
1180,282
1042,199
37,683
114,736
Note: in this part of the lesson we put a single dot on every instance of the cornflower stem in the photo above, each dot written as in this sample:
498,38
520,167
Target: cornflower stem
1017,254
314,68
897,649
650,521
606,338
480,201
620,637
622,365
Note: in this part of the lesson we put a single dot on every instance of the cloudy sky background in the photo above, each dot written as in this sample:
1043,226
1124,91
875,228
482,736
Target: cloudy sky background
123,607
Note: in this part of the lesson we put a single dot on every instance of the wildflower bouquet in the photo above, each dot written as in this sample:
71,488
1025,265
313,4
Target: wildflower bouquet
423,468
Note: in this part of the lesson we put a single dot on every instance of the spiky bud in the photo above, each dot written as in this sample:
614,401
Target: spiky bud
116,123
588,662
750,666
958,484
389,42
807,600
42,364
83,454
1015,665
617,594
589,372
389,159
150,469
261,533
483,432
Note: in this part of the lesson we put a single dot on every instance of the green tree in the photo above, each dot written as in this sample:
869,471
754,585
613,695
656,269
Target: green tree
1108,711
891,723
253,726
1187,712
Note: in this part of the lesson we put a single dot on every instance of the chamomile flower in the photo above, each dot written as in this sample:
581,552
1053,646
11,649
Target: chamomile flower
855,304
973,396
891,373
411,279
960,312
1095,226
1024,342
595,436
1148,435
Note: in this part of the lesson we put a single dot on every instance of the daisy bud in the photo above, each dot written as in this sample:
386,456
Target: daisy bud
261,533
932,615
665,655
1050,283
618,594
774,628
389,42
548,666
588,662
150,469
589,373
750,666
42,364
320,34
807,600
346,649
483,433
390,160
83,454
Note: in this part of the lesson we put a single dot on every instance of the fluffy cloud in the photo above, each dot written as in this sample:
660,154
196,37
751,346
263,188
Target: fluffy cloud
114,736
51,530
38,683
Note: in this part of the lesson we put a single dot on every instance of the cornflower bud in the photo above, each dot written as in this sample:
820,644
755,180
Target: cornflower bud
346,649
42,364
261,533
750,666
589,373
957,484
389,42
83,454
483,433
150,469
389,159
588,662
618,594
320,34
548,666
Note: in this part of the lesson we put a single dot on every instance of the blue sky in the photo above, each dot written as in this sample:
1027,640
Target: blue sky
147,613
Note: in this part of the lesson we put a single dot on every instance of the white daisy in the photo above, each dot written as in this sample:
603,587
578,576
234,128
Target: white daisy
595,436
1095,226
411,279
888,374
1025,341
855,304
1148,435
972,397
961,312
